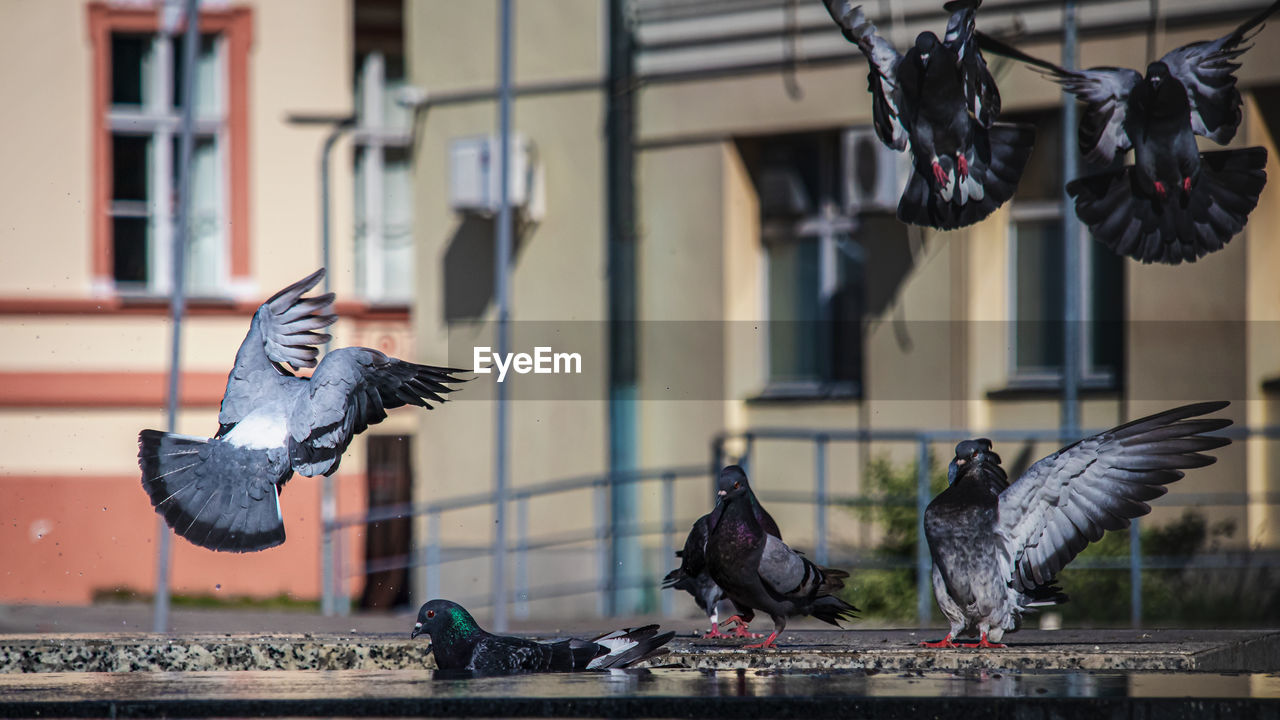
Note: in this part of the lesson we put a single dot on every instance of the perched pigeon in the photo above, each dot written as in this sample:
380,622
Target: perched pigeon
460,644
692,575
940,99
997,546
223,493
757,570
1174,204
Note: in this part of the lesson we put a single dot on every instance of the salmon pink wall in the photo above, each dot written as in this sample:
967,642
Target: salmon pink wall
63,537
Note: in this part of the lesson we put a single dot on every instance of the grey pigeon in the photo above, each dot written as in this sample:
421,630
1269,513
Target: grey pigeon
940,102
757,570
997,546
223,493
1175,203
459,643
692,575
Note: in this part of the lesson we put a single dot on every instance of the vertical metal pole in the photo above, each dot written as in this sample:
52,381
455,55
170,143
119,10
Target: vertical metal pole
749,443
668,527
604,596
177,303
820,499
341,603
1135,575
924,566
423,562
433,555
522,557
1072,277
501,273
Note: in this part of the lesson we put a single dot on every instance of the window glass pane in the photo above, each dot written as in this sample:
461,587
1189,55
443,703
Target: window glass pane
129,162
204,250
1039,295
207,102
397,234
845,308
1107,309
793,310
131,239
131,59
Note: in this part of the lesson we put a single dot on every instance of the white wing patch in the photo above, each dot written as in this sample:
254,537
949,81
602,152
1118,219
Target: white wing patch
259,431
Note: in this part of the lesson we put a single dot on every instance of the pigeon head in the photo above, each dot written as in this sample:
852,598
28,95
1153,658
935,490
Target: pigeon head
971,453
732,482
443,620
927,44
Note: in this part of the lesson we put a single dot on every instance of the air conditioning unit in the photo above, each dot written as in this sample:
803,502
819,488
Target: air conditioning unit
874,174
474,175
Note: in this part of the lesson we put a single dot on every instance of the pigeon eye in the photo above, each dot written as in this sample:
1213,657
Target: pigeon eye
431,613
737,485
975,454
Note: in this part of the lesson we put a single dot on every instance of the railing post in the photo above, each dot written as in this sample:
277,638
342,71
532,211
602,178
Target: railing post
433,555
668,527
328,508
604,587
1135,575
745,461
522,557
342,603
820,495
924,567
422,560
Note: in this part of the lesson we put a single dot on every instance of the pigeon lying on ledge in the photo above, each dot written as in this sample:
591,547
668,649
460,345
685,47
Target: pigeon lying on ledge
757,570
223,493
1174,204
997,546
939,102
692,575
460,644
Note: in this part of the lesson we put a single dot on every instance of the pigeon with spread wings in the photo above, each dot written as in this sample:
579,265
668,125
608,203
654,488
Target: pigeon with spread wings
997,546
223,493
939,102
1174,204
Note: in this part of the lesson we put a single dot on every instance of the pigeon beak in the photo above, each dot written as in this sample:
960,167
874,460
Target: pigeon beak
722,493
417,630
924,57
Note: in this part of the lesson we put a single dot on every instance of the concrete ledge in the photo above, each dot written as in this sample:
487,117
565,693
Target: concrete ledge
875,650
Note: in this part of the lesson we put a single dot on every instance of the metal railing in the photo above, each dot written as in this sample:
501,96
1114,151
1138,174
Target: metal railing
431,554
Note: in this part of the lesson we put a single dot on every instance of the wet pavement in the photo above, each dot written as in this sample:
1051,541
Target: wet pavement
643,693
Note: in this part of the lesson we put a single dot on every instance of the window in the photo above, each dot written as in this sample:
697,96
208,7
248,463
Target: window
814,267
139,93
383,170
1036,285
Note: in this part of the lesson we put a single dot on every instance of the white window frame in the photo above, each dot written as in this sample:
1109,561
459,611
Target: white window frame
1091,376
373,135
160,119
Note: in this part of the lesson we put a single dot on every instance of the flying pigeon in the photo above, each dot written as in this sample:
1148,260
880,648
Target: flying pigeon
1175,203
997,546
692,575
460,644
940,101
223,493
757,570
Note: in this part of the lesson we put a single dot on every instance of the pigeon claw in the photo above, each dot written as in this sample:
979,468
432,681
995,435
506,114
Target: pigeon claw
939,175
1161,191
963,164
1186,185
714,633
943,643
984,643
769,642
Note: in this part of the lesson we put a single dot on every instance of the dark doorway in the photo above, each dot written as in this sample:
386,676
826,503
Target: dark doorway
390,482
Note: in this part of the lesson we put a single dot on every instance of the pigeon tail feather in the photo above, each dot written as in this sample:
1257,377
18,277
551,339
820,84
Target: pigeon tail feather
211,492
1135,223
630,646
831,610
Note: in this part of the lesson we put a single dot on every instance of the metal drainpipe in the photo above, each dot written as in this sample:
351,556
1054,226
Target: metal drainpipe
502,271
1070,243
177,305
624,553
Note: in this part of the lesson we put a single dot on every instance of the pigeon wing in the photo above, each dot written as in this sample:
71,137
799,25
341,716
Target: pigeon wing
1104,91
1207,71
883,61
351,389
781,568
285,329
1068,499
979,87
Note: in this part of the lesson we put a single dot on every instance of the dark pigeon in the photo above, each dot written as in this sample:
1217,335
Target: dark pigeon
692,575
223,493
460,644
940,101
757,570
1174,204
997,546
